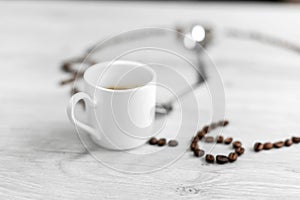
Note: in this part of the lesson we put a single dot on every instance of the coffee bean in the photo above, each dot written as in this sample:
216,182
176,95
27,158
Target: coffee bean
213,126
153,141
232,157
278,144
172,143
195,139
209,139
228,140
296,140
194,146
236,144
162,142
205,129
268,145
209,158
201,134
258,146
239,150
66,67
288,142
199,153
223,123
219,139
222,159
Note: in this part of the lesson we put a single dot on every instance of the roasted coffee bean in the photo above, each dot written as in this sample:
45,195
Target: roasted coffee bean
201,134
199,152
268,145
223,123
228,140
209,158
278,144
236,144
162,142
153,141
209,139
194,146
195,139
239,150
222,159
219,139
296,140
172,143
232,157
205,129
288,142
258,146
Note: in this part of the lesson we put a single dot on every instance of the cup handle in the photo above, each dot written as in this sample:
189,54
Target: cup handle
71,114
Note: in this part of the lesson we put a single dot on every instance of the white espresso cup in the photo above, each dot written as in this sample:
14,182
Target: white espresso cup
120,100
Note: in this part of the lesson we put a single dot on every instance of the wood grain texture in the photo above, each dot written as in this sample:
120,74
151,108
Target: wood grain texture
41,157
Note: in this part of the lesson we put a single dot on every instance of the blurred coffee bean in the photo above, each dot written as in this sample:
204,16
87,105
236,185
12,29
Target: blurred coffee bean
236,144
288,142
212,126
258,146
239,150
173,143
162,142
228,140
223,123
194,146
205,129
209,158
268,145
232,157
209,139
278,144
199,152
219,139
69,80
201,134
296,140
153,141
195,139
66,67
222,159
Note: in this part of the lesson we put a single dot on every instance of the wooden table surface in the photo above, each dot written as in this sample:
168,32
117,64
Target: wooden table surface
41,156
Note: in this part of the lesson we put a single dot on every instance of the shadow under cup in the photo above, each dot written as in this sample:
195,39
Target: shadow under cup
124,95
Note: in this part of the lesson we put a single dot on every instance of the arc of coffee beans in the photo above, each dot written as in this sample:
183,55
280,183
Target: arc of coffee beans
206,129
220,159
232,156
258,146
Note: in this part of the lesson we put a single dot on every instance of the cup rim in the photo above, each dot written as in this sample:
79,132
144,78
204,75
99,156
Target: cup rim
107,63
